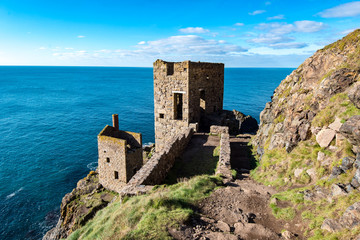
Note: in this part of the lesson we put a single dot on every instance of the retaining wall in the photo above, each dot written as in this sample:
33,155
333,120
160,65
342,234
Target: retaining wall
224,165
156,168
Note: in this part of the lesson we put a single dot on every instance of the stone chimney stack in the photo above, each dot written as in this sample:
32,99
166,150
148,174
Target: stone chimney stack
115,119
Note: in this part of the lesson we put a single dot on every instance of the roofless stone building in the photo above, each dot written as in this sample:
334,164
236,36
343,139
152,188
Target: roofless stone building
183,93
120,155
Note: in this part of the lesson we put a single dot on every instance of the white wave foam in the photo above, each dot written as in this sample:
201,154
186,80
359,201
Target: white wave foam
14,193
92,166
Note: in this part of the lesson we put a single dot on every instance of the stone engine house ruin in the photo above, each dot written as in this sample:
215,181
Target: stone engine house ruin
184,94
120,155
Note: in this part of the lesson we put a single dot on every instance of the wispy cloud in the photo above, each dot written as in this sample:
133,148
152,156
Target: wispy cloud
141,43
288,45
308,26
81,36
267,3
278,35
271,38
256,12
239,24
350,9
277,17
42,48
194,30
346,32
180,47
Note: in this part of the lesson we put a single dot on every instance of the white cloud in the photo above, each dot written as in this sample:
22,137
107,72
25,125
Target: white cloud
256,12
42,48
141,43
81,36
271,38
278,35
298,26
346,32
308,26
194,30
350,9
267,3
69,48
175,47
188,45
288,45
277,17
239,24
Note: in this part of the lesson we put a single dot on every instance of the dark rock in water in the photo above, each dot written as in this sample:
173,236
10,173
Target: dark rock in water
347,163
351,130
247,124
237,122
354,94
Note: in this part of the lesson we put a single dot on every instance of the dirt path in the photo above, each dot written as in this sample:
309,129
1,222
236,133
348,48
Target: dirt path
239,210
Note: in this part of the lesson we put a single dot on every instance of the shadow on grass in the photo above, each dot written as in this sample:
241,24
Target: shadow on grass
201,162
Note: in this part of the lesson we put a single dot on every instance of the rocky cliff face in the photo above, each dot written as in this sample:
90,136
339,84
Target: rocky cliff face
79,206
300,105
308,143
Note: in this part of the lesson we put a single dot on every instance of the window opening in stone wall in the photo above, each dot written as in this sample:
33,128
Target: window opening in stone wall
178,106
169,69
107,159
214,108
116,175
161,115
202,99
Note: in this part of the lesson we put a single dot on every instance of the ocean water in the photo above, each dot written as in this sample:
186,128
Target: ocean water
49,120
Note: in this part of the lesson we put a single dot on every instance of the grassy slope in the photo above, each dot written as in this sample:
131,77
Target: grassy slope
149,216
277,167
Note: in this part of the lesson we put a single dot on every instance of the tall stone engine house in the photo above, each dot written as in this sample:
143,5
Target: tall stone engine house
184,92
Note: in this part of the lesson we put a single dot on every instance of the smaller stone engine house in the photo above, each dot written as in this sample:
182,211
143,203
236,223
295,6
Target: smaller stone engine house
120,155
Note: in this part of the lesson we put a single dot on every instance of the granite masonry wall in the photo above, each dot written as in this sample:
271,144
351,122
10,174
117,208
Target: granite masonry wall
157,167
224,165
120,156
183,91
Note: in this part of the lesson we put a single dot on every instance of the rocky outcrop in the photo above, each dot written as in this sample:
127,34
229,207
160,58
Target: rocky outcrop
237,122
349,219
351,130
296,112
79,206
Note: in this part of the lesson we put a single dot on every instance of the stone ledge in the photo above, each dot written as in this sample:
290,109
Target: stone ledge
224,165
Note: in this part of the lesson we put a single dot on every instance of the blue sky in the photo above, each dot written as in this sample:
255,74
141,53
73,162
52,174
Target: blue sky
274,33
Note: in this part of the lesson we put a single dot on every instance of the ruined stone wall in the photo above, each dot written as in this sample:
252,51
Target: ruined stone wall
169,78
118,155
224,165
111,159
206,89
157,167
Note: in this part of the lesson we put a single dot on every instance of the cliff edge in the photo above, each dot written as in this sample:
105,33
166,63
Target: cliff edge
80,205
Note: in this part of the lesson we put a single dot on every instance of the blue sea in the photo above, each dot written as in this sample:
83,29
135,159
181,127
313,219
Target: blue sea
49,120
